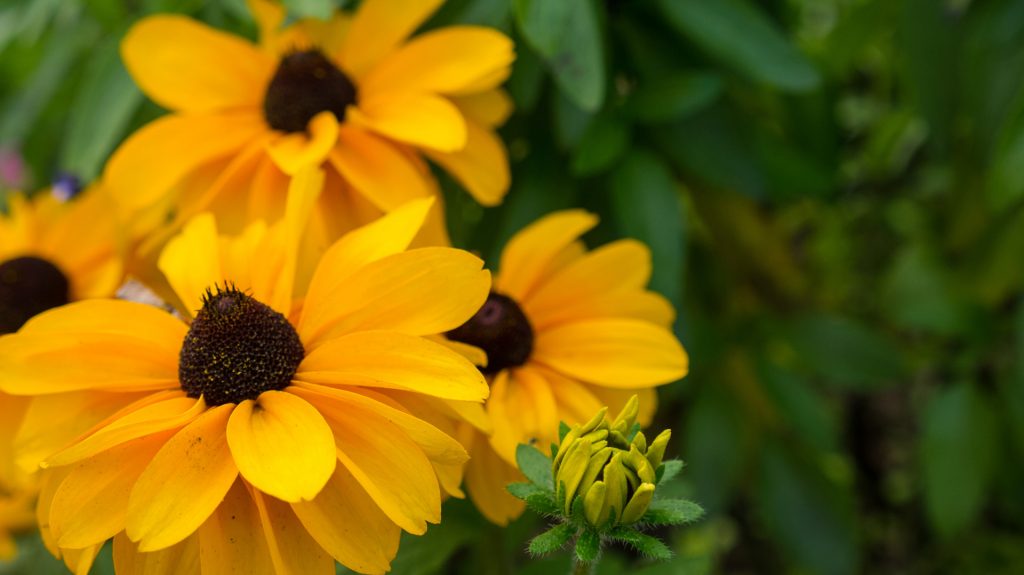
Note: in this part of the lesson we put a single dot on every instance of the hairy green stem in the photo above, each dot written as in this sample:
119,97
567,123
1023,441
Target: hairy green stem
581,568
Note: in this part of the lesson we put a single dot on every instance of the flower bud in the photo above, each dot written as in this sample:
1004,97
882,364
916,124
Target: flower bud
610,467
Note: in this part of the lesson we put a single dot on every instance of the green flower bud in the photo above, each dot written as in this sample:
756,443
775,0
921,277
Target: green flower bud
613,472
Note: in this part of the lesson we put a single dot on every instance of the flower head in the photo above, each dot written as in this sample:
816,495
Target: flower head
358,96
261,432
566,332
610,467
54,251
600,485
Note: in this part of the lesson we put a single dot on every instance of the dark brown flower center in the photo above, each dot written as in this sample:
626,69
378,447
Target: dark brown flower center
29,286
237,348
501,329
305,84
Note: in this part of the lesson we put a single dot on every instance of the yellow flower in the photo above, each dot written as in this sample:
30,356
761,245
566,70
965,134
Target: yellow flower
53,252
259,435
355,95
566,332
15,515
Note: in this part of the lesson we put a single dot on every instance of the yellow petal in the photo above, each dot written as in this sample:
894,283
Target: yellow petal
94,344
191,263
378,27
621,266
617,353
294,152
82,237
282,445
172,413
89,506
80,561
527,255
174,560
273,281
183,484
377,169
346,522
490,109
438,446
487,474
230,541
292,550
269,16
481,166
420,119
392,360
422,292
388,235
646,306
390,466
184,65
443,61
577,403
160,154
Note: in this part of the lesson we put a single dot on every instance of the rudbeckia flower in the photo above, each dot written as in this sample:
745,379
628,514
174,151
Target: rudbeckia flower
54,251
256,436
356,95
566,331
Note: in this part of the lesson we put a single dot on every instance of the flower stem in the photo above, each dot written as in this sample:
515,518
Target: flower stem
581,568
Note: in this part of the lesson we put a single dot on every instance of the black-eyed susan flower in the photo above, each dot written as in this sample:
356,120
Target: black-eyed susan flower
566,332
356,95
54,251
256,436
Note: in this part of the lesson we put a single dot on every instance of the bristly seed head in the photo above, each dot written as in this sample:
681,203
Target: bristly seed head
501,329
305,84
237,348
29,286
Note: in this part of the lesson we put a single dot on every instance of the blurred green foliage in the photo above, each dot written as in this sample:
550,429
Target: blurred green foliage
833,193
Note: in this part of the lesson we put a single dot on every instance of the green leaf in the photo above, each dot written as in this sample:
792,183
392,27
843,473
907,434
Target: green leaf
810,517
604,141
563,430
846,352
958,455
63,45
567,35
523,490
740,34
104,105
537,498
430,552
551,540
644,544
800,406
588,546
669,469
917,293
672,96
714,447
646,205
319,9
534,465
672,512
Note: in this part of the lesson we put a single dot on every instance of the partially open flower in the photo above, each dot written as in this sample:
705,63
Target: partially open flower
610,467
600,486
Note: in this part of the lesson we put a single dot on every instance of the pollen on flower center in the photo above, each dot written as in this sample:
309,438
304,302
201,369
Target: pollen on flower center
501,329
237,348
305,84
29,286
